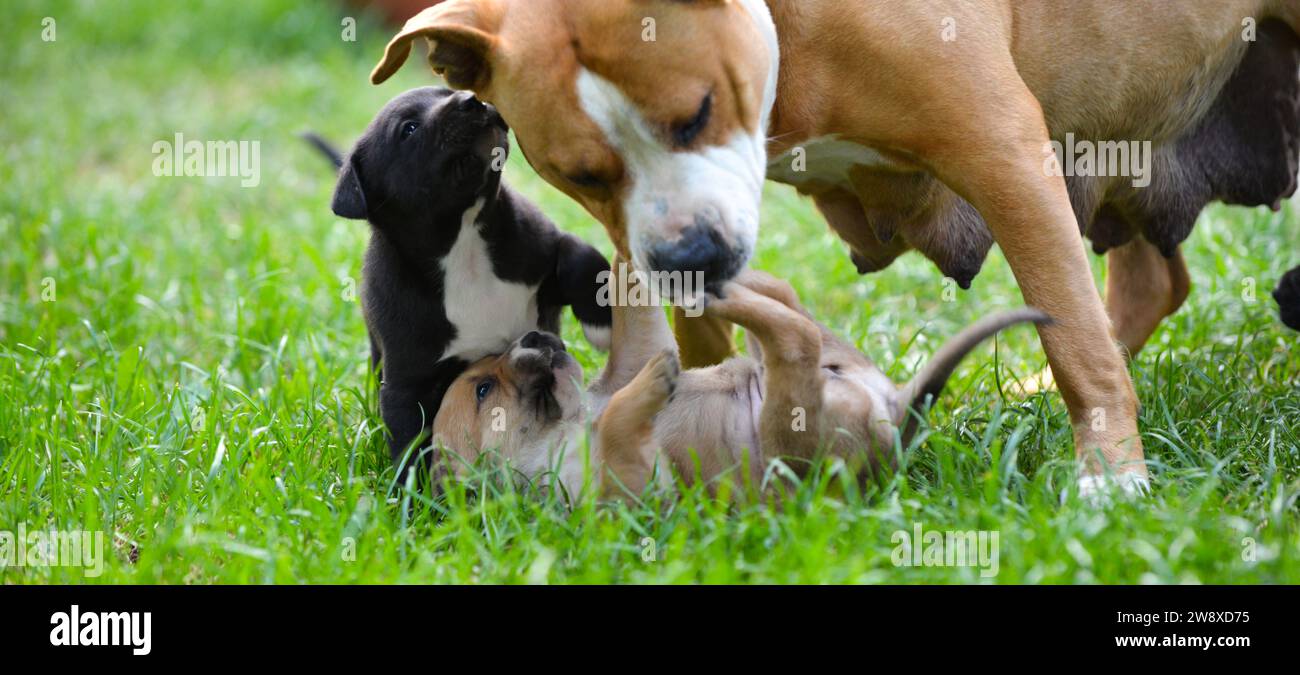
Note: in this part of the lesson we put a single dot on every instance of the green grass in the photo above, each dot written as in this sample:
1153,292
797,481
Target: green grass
197,386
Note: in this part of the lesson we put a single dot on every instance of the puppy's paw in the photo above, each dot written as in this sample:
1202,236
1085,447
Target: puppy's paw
662,374
600,337
730,301
758,280
763,283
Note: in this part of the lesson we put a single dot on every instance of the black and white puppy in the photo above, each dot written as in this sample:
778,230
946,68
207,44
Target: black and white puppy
459,265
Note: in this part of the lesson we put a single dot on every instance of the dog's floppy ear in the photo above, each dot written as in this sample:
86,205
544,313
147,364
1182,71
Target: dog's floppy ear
349,198
461,36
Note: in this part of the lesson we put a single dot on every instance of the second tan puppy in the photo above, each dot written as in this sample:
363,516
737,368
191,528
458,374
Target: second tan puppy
804,393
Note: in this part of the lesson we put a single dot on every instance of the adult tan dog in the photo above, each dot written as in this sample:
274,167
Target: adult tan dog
923,123
801,394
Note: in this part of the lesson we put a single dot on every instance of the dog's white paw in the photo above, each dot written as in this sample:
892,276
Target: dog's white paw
598,336
1099,489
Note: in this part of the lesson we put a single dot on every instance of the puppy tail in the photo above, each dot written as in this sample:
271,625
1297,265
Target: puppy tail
332,153
934,376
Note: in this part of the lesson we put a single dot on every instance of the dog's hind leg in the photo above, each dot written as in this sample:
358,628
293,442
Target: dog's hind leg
1142,288
790,422
626,456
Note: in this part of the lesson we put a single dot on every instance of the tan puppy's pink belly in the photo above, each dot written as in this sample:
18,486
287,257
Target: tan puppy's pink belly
709,428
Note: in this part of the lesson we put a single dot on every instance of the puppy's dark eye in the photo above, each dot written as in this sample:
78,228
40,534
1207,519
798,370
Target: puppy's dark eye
484,388
685,133
408,128
587,181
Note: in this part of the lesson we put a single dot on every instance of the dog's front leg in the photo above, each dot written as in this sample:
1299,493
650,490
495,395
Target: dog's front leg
994,151
639,332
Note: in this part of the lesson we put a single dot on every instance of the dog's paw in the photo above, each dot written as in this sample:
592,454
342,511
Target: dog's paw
600,337
1101,490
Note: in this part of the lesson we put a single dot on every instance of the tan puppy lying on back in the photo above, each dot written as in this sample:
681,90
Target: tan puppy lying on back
804,395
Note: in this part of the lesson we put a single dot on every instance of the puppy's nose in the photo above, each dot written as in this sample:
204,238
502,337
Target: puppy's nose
464,100
542,341
702,249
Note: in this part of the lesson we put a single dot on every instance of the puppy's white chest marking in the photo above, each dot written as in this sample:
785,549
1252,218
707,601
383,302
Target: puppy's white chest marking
824,162
488,313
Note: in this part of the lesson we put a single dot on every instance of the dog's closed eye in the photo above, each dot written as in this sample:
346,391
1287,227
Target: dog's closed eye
587,180
686,132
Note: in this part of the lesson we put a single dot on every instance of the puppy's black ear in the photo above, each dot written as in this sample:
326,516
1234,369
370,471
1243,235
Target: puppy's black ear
349,198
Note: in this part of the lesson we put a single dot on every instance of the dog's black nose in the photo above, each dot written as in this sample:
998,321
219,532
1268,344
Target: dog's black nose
542,341
700,249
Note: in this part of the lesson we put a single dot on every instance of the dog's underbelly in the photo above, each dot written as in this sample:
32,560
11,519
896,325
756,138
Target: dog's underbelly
488,313
883,205
1227,131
